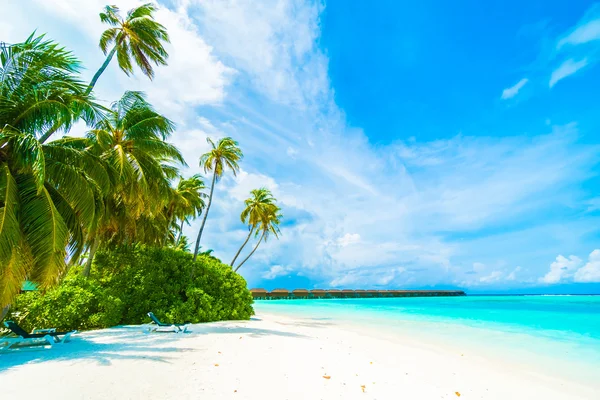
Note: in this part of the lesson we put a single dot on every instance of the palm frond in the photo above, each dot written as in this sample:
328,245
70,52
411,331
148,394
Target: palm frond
46,232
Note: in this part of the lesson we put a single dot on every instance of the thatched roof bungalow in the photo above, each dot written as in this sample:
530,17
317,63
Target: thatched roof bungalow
300,293
280,294
259,293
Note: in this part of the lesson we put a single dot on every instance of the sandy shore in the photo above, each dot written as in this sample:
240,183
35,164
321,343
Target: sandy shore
270,357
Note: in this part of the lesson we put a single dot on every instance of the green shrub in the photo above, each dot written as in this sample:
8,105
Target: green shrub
128,282
77,303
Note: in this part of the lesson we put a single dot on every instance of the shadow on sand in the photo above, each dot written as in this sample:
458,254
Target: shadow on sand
130,343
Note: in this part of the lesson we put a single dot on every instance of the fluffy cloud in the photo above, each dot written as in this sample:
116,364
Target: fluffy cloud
590,272
561,269
564,269
276,271
514,90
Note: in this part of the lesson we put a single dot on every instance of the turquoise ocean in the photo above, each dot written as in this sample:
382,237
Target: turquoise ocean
559,335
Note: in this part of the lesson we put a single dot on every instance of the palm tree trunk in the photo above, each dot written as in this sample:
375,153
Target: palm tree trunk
252,252
101,70
212,188
240,250
46,135
180,232
4,312
168,231
88,265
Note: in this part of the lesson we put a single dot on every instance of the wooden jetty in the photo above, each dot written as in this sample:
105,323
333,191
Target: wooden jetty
278,294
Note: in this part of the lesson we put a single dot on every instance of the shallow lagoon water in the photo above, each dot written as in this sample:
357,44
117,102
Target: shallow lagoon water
555,334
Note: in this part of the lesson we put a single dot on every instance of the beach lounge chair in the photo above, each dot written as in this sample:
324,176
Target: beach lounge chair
157,326
56,337
9,343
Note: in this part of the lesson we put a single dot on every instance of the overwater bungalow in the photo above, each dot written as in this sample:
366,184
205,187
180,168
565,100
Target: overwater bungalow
259,293
333,293
300,293
262,294
280,294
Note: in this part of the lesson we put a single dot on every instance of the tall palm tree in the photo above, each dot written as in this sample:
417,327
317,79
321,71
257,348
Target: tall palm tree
186,201
138,37
269,225
131,142
259,205
224,154
47,191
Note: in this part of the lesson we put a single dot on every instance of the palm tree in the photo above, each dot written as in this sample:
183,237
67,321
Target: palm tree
225,154
258,206
131,142
40,88
47,191
186,201
269,225
138,37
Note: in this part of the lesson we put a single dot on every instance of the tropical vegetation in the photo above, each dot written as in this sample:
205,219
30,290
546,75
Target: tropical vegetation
136,37
128,281
225,154
70,204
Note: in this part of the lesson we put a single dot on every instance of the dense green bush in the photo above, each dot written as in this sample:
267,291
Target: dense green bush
77,303
128,282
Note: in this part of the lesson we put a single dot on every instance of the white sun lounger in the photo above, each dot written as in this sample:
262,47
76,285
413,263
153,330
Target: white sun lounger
157,326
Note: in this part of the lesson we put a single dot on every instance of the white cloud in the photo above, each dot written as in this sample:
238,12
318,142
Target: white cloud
561,269
567,68
514,90
273,41
590,272
494,276
348,239
513,275
246,181
276,271
583,33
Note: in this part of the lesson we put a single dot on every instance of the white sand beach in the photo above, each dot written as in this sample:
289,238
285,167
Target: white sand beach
269,357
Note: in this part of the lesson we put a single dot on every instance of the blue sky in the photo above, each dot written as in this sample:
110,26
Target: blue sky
410,145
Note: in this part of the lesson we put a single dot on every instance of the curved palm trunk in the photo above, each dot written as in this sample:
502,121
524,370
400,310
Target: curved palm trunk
47,135
212,188
101,70
4,312
244,244
180,233
88,265
252,252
